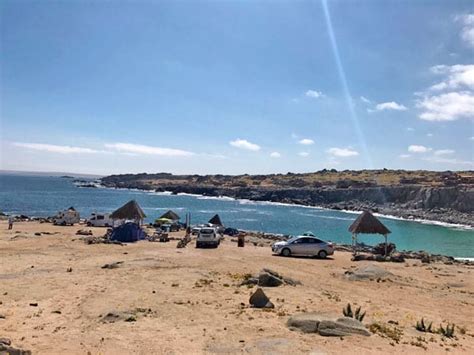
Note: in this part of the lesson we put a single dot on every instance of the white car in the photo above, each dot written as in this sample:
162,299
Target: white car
304,245
100,220
208,236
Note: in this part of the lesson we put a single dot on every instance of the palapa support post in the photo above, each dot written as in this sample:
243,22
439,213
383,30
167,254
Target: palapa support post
385,236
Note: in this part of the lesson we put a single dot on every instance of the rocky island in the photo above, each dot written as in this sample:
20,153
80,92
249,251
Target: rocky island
440,196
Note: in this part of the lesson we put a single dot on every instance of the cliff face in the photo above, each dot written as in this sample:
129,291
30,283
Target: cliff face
451,204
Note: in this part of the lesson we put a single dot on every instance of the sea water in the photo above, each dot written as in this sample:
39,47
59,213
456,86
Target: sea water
43,196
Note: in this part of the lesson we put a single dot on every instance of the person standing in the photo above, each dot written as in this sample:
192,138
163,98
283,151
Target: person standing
10,222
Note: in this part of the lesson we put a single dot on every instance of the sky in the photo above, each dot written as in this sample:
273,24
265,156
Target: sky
236,87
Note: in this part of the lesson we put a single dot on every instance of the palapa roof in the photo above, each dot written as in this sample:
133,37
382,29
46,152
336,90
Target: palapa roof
170,215
369,224
131,210
216,220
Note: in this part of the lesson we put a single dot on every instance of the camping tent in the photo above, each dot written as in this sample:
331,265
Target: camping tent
170,215
130,211
367,223
216,220
127,233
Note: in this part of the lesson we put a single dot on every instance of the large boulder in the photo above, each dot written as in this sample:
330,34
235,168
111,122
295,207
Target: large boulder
342,327
307,322
368,272
6,348
268,278
260,300
326,325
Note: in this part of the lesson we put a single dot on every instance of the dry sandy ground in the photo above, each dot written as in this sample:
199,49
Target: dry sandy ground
187,301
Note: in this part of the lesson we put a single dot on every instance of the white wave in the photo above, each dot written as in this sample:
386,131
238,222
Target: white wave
464,259
222,198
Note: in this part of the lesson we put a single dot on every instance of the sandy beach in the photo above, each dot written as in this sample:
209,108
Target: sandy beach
56,297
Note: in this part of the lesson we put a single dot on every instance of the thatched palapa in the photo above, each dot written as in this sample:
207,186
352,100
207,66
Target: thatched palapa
367,223
170,215
130,211
216,220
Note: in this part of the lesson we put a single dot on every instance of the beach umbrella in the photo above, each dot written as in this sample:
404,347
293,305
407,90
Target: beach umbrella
216,220
367,223
161,221
130,211
170,215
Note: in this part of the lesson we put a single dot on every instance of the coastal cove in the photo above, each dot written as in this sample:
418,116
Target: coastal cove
42,196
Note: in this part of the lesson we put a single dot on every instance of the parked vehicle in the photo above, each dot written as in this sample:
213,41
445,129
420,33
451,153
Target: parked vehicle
304,245
231,231
208,236
195,230
67,217
100,220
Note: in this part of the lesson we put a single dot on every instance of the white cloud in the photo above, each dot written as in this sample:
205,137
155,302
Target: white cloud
472,138
52,148
467,30
342,152
429,134
314,94
418,149
447,107
392,105
404,156
457,76
244,144
275,155
410,129
128,148
306,141
444,152
303,154
365,100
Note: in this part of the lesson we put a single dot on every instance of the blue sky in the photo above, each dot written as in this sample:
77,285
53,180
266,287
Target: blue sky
236,86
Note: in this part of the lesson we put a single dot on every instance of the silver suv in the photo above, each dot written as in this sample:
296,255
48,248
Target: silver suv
208,236
303,245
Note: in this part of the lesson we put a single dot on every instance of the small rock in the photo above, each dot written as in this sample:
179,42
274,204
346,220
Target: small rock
69,269
84,232
112,265
38,234
34,304
260,300
5,341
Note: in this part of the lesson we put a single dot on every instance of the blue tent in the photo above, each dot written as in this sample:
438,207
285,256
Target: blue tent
128,233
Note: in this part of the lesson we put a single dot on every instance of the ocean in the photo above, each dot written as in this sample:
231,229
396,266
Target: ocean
43,196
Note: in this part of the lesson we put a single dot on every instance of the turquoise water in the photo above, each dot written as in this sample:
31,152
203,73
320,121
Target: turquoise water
43,196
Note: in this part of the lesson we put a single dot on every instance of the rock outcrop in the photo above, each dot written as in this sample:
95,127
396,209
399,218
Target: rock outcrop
326,325
438,200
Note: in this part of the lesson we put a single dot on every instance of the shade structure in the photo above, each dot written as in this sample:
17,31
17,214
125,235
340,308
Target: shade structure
216,220
130,211
367,223
170,215
160,221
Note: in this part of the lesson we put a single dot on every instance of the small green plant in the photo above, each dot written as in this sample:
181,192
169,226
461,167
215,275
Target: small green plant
448,332
347,311
421,326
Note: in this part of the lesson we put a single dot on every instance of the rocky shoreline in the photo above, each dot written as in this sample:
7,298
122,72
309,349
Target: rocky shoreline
452,205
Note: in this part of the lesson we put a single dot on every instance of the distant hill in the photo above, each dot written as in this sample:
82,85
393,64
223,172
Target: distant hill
442,196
